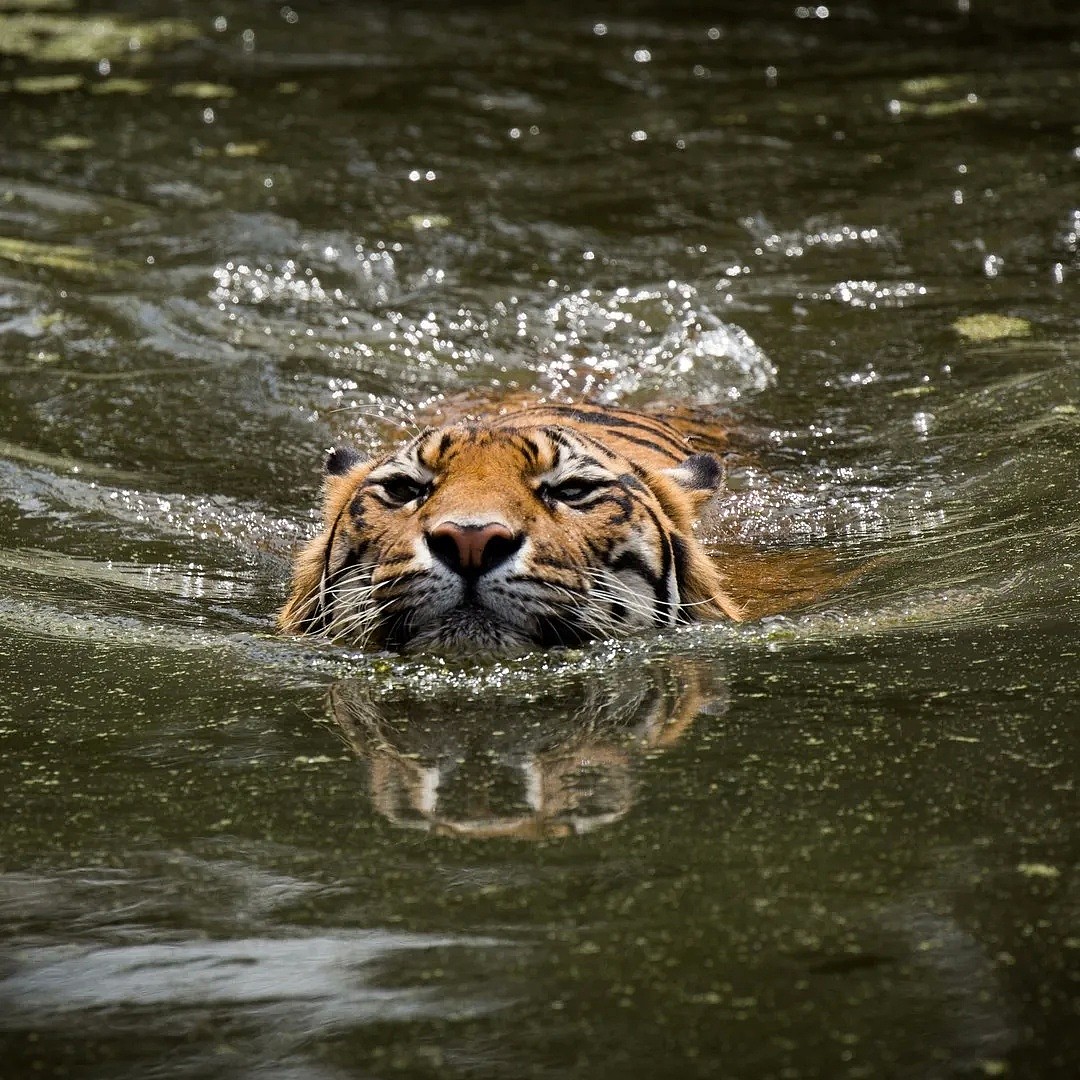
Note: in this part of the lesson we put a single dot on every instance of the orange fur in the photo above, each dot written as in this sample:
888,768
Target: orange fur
573,486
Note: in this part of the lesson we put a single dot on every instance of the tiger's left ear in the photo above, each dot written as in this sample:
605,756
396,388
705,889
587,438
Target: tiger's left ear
700,474
339,479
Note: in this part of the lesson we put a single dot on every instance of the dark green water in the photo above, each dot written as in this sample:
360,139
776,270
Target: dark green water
839,843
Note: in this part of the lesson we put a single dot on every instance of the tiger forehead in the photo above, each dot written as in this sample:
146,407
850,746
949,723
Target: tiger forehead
530,453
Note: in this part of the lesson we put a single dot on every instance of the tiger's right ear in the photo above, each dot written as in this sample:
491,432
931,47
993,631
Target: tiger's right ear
339,460
339,480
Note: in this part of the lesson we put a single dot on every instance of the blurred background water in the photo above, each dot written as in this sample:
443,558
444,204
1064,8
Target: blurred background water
836,843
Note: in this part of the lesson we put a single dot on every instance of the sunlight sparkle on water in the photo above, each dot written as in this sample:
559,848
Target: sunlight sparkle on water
873,294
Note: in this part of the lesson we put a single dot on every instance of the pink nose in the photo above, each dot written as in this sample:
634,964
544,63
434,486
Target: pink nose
472,549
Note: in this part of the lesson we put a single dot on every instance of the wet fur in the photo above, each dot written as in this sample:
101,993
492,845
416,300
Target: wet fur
621,559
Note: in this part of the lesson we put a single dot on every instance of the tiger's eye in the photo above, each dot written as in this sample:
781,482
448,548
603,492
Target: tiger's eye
403,489
572,492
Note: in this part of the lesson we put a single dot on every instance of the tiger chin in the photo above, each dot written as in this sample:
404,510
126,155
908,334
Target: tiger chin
543,526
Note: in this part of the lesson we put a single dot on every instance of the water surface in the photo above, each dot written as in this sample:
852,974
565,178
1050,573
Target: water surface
841,841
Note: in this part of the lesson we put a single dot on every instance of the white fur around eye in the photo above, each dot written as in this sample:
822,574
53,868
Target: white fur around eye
391,470
571,473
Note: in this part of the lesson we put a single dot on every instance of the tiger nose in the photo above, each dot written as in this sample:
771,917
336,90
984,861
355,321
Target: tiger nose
472,550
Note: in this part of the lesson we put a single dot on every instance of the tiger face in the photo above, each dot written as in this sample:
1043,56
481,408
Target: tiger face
507,535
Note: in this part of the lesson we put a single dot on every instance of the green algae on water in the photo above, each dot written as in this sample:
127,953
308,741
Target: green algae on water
67,143
67,257
48,84
991,327
73,38
36,5
935,110
121,86
930,84
202,91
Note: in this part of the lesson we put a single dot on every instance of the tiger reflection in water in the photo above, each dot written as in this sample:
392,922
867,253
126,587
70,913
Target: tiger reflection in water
562,766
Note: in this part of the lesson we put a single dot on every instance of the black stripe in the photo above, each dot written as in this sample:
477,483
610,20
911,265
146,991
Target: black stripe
678,455
562,443
682,563
623,501
663,603
612,454
315,621
557,436
631,560
351,560
666,558
529,451
600,553
421,448
621,420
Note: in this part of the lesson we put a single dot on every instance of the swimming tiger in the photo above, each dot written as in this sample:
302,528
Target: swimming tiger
541,525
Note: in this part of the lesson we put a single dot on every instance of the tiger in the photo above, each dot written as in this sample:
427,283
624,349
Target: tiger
530,527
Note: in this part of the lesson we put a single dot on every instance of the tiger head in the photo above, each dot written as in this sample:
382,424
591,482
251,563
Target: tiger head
502,536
